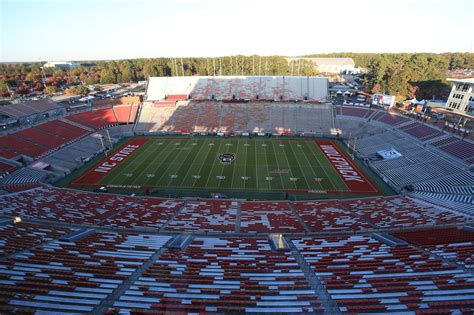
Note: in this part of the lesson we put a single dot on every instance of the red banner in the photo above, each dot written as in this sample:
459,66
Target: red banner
345,167
104,167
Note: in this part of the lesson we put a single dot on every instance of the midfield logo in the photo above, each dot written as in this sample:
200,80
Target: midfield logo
226,158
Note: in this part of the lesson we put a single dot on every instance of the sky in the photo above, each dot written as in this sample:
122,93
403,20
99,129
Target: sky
54,30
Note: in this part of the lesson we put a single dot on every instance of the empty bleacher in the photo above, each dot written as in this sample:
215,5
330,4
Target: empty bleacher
205,216
92,120
73,276
6,169
62,205
401,212
362,274
145,212
222,275
205,116
329,216
268,217
16,237
453,244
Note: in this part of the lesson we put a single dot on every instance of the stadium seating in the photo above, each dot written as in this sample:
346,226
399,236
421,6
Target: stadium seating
268,217
452,244
205,216
40,140
205,116
21,146
63,205
73,276
208,118
365,275
107,115
328,216
390,118
421,131
354,111
43,138
62,129
6,169
19,236
176,97
461,149
150,213
222,275
401,212
7,153
239,87
89,119
122,113
25,175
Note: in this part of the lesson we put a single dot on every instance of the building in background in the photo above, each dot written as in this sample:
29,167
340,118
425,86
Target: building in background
62,64
461,98
330,65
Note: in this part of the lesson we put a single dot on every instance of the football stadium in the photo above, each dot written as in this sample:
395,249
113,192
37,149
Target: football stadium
233,194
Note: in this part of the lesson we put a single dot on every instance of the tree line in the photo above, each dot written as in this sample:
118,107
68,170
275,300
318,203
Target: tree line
402,74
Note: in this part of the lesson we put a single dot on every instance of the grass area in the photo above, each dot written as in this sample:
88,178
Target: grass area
252,168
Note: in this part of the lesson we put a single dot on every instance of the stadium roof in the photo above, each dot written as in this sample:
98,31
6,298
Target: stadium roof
27,108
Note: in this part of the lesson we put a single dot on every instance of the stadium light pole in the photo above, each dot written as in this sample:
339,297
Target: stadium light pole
103,146
108,136
44,76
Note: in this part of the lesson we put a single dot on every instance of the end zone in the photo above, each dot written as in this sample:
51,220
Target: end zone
352,176
96,173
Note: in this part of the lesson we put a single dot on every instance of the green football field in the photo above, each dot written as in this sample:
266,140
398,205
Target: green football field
215,164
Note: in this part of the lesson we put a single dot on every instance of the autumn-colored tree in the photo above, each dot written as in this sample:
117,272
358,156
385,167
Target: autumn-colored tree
22,89
78,90
38,86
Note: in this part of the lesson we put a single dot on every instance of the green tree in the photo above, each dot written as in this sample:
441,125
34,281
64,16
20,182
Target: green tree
50,89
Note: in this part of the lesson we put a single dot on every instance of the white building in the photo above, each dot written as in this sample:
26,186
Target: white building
461,98
62,64
331,65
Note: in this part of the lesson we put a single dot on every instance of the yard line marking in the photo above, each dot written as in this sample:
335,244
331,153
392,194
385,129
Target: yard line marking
311,147
310,166
142,161
278,165
190,166
212,168
132,166
297,161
